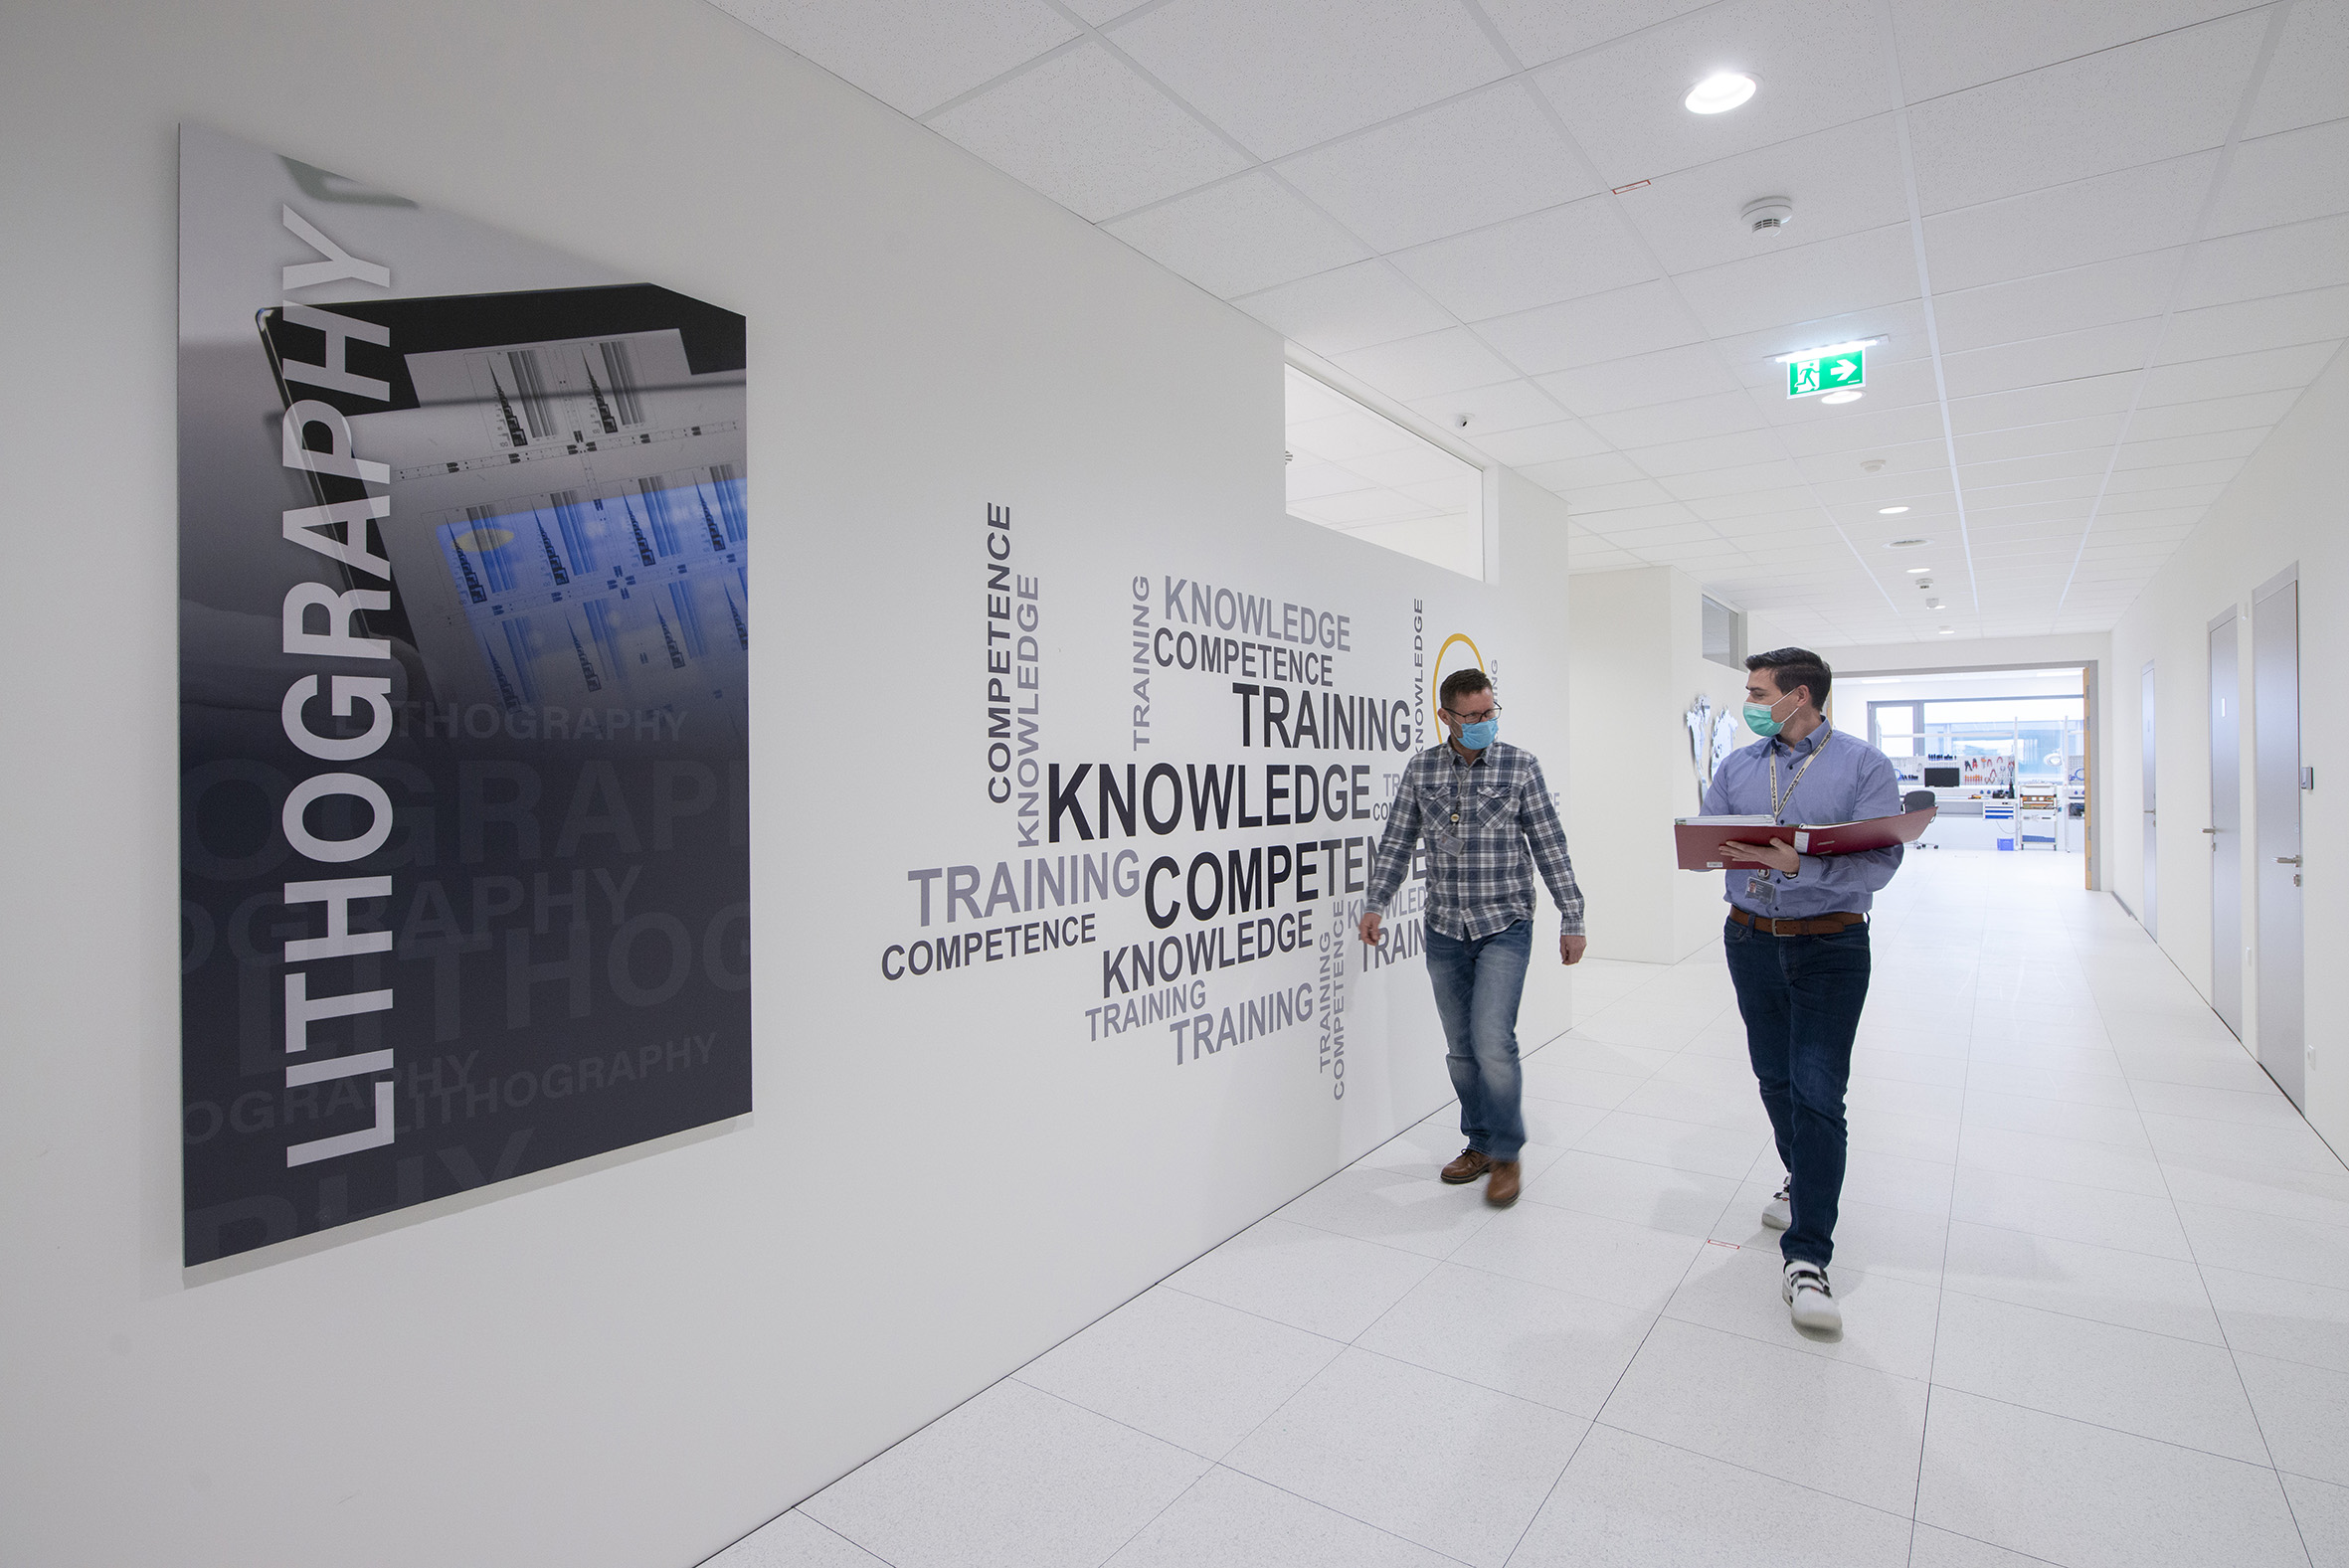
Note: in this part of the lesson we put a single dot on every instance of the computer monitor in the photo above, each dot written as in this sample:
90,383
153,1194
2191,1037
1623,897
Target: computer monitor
1941,778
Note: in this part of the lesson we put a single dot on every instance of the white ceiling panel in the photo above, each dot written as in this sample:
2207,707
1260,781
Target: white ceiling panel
1783,500
2000,476
1639,380
1284,74
2257,411
1477,161
1949,45
1539,443
2036,441
2216,446
2254,324
2310,80
1352,307
1713,452
2287,178
2119,502
2281,260
1820,63
1539,31
1239,237
1493,409
912,55
2145,209
2180,478
1087,132
1780,473
1628,520
2071,356
1418,367
1595,498
1804,282
1841,181
1583,473
2049,304
2160,98
1639,319
1101,12
1345,438
1858,433
1720,414
2074,400
1584,248
2271,370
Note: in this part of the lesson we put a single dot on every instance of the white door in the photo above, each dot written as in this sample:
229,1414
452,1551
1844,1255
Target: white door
2152,838
2275,775
2226,829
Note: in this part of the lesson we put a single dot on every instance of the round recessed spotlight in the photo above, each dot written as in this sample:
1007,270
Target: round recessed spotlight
1890,511
1720,93
1847,394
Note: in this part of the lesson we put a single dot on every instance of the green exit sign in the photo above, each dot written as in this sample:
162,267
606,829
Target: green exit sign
1807,378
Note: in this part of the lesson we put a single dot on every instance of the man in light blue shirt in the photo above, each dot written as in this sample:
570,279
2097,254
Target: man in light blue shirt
1797,944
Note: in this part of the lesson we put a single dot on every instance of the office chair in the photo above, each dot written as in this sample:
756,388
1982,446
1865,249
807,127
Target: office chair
1917,801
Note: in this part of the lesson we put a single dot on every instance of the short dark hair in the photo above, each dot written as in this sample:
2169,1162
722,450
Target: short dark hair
1792,668
1469,680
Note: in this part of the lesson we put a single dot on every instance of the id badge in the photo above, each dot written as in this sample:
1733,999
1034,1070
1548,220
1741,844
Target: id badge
1761,892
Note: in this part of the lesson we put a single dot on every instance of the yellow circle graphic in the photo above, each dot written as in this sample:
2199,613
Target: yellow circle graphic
481,541
1435,686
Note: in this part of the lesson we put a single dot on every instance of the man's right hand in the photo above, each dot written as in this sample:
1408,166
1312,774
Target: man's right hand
1369,930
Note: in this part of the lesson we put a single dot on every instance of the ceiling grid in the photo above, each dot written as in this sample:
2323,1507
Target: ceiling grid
2107,245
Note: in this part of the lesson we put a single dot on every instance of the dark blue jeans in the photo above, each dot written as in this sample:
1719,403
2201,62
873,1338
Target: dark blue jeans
1801,998
1477,986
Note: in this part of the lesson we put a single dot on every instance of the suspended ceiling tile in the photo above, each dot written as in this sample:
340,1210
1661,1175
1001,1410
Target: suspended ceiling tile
2071,356
2309,78
2287,178
1311,480
2046,304
1567,253
1741,450
1539,31
1864,430
1631,519
1352,307
1585,473
2165,498
1639,380
1418,367
1102,12
1492,410
2288,259
1239,237
2268,370
2219,445
2257,411
1478,160
2070,400
1643,318
1689,418
2151,208
1346,438
912,55
1820,63
1612,497
2280,321
1539,443
1989,477
1805,283
1780,473
2173,478
1285,75
1415,466
1946,46
2075,489
2160,98
1757,502
1090,135
1842,181
2036,441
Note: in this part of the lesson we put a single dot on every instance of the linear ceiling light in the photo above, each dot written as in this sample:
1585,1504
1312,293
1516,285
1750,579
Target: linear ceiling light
1832,348
1720,93
1890,511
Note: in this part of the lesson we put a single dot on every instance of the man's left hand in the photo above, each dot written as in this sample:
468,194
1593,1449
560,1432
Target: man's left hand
1569,949
1780,857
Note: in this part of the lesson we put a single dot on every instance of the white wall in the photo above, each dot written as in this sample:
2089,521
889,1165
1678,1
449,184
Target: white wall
636,1362
2285,508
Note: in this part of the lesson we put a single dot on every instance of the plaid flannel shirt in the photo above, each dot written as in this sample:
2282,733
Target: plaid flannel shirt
1487,823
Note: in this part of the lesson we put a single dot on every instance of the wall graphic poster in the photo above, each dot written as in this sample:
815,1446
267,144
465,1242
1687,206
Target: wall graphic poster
464,643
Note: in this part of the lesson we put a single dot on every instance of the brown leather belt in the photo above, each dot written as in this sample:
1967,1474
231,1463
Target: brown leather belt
1816,926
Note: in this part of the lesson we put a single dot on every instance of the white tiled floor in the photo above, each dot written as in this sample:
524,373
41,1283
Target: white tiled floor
2095,1272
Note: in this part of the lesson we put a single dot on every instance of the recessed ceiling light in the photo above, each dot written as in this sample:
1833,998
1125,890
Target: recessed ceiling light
1949,632
1721,92
1905,544
1890,511
1845,396
1919,571
1831,348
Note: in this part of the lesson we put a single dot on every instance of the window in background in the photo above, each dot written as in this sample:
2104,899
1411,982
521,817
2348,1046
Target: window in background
1360,472
1892,728
1724,634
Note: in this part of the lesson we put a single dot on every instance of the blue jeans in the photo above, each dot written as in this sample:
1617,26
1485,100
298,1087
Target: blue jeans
1477,986
1801,998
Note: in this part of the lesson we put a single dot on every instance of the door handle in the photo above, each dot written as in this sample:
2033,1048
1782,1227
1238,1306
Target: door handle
2288,860
2209,831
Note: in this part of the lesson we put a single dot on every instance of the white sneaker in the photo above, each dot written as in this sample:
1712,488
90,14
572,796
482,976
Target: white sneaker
1809,1300
1779,1213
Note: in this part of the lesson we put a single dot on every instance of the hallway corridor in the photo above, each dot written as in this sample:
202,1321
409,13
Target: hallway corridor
2094,1271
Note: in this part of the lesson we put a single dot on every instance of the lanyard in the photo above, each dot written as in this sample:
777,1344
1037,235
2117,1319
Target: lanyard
1827,733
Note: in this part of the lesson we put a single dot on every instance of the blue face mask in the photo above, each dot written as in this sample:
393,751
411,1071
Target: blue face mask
1763,721
1476,737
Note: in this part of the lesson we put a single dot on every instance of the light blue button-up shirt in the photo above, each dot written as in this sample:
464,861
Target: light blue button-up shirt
1849,782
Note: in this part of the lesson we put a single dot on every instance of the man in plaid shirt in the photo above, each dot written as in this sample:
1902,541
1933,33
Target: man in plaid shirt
1488,819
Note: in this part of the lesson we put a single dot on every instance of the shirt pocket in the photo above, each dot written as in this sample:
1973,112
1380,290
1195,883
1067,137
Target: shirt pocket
1489,808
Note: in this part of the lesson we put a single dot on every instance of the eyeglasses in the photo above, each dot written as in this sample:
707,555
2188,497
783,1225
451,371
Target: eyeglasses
1492,712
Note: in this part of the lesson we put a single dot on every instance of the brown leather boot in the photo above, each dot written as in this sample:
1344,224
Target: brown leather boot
1502,1190
1467,1167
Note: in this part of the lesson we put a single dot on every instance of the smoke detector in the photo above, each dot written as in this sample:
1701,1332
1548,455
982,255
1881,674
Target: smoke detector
1768,214
1925,582
1873,466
